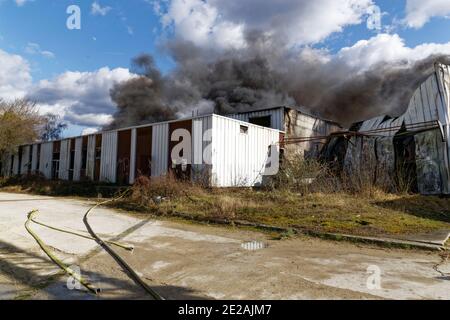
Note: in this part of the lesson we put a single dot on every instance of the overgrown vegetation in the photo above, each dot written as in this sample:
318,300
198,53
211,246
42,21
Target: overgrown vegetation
304,195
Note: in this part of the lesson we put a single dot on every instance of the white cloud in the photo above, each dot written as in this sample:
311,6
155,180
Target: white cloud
224,23
15,76
89,131
82,98
419,12
386,48
98,10
35,49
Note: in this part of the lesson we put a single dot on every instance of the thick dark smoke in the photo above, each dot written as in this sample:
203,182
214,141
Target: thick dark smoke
261,76
142,99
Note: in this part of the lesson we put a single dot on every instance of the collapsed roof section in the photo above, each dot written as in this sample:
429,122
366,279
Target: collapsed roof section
416,143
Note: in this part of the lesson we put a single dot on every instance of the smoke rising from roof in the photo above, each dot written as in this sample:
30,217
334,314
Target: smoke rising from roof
265,74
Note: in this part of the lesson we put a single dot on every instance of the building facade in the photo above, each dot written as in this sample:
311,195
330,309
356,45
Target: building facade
227,152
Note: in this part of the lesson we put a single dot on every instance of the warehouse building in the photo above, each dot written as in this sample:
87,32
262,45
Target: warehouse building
225,151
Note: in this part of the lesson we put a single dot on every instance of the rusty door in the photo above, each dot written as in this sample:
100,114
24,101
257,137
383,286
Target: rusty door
181,171
144,152
123,157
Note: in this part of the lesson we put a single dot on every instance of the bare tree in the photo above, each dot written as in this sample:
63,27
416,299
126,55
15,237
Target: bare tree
52,128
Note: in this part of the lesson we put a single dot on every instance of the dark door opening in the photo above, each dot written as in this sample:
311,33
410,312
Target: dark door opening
123,157
84,152
98,156
182,170
262,121
38,159
20,160
405,161
144,152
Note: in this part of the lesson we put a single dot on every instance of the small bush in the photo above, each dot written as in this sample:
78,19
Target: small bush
148,191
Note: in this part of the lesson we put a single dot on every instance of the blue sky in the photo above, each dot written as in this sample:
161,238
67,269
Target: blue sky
35,31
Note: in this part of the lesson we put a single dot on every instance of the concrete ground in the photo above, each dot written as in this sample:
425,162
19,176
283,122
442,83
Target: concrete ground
186,261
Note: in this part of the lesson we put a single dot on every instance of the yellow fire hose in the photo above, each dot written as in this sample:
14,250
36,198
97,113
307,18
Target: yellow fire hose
119,259
95,237
55,259
114,243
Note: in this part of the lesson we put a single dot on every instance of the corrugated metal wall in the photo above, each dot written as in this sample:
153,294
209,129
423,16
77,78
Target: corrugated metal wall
45,163
78,159
90,162
64,159
277,117
239,158
34,158
160,149
25,163
108,168
15,160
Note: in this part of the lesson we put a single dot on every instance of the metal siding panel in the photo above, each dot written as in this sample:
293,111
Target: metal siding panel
239,159
25,160
78,159
160,156
15,164
45,163
108,168
34,159
90,163
64,160
133,156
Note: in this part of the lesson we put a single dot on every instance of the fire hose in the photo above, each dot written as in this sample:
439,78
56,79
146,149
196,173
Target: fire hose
55,259
117,257
105,244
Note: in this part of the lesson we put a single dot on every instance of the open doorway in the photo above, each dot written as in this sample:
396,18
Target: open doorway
405,160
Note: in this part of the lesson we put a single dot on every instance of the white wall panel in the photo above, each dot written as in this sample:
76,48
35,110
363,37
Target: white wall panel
15,160
78,159
34,158
64,159
238,159
160,149
25,163
108,168
45,163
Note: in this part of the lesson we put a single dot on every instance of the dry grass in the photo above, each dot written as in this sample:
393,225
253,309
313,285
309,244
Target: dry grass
319,205
374,213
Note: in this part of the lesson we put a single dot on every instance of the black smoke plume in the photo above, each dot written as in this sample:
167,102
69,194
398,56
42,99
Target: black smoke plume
264,75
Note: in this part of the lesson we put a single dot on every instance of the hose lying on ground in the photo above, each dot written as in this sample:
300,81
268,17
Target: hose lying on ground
55,259
117,244
108,249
